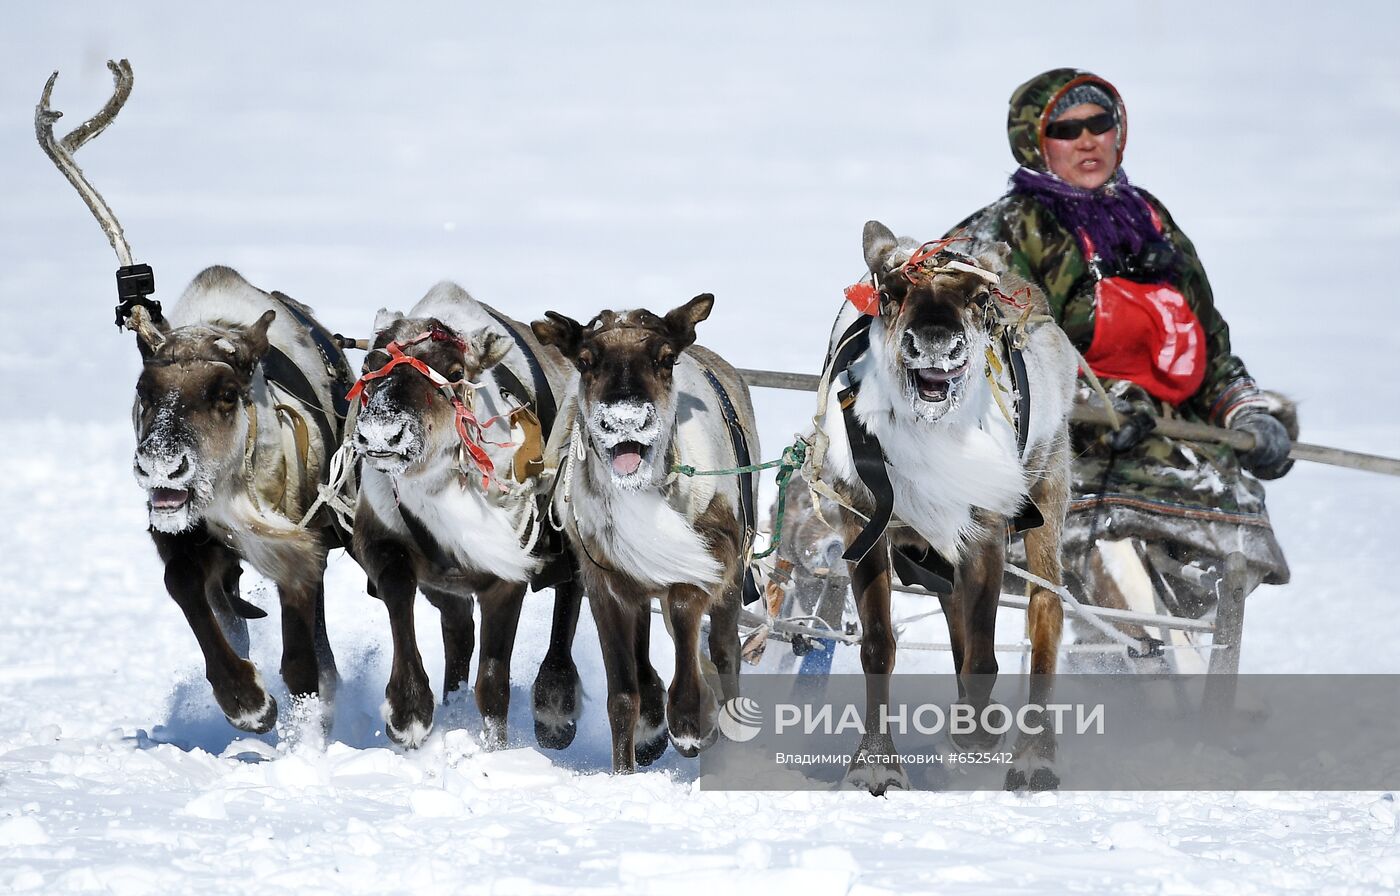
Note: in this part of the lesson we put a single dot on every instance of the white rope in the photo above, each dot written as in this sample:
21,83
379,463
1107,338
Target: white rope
331,493
1083,612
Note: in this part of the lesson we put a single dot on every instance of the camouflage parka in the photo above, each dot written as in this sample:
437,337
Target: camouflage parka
1192,495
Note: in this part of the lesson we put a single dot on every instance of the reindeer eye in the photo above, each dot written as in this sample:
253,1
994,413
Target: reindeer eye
229,395
666,359
456,375
584,361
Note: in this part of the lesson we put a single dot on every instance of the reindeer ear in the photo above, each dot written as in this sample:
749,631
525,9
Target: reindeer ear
489,347
564,333
255,342
384,317
995,258
878,241
681,321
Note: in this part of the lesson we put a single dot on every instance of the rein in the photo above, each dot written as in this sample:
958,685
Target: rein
470,430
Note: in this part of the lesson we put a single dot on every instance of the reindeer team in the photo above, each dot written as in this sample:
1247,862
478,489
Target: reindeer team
487,455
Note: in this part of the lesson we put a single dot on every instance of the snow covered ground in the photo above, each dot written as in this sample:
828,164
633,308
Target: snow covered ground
548,158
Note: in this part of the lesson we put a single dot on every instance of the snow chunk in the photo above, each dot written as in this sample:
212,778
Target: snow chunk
22,831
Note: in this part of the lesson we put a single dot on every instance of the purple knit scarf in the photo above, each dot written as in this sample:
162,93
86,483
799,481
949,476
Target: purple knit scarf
1115,216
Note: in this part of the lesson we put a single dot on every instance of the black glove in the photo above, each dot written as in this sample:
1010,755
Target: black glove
1268,459
1136,421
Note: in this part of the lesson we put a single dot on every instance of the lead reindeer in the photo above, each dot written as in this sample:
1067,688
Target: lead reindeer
235,417
458,403
646,398
973,438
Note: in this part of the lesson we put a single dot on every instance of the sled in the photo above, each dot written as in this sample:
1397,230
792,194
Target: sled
1209,644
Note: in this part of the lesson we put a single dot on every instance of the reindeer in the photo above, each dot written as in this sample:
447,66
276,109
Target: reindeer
457,399
647,397
931,385
235,417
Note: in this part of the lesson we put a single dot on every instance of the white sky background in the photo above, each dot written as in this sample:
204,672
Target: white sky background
580,157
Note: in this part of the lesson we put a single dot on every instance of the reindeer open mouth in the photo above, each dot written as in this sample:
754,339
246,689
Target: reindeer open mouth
626,458
933,384
626,435
169,500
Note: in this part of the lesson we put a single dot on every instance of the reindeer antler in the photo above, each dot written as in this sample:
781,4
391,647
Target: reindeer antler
136,310
60,152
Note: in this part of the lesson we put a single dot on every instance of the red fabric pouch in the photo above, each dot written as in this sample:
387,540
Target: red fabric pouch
1146,333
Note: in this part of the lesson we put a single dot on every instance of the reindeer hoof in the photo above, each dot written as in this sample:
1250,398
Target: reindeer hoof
411,734
555,736
875,768
257,721
409,726
1041,779
690,746
648,752
557,698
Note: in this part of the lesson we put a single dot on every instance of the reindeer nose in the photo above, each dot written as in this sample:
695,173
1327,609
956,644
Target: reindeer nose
382,435
625,417
934,345
165,467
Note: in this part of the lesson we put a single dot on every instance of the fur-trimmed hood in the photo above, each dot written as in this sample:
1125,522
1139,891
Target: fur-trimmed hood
1032,103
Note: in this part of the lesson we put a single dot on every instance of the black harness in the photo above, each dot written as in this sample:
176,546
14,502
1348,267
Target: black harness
929,569
742,458
282,370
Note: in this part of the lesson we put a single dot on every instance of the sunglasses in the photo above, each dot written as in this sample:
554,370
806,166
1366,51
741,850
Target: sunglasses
1071,128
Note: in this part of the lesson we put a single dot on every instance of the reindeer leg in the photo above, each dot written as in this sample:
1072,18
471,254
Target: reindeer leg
691,712
978,590
222,592
302,605
558,694
617,625
500,617
191,559
651,736
458,637
325,659
874,767
1035,753
408,708
724,637
952,605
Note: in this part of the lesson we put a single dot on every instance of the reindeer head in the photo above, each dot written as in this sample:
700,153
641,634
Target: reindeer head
190,418
407,421
627,399
932,332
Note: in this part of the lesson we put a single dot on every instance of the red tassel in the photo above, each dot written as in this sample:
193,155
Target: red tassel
865,297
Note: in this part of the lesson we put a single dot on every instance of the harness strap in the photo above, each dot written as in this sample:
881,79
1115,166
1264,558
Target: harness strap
1029,516
556,567
284,372
545,407
1020,387
746,493
337,367
869,460
866,454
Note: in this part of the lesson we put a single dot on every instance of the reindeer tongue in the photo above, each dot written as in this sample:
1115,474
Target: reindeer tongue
626,458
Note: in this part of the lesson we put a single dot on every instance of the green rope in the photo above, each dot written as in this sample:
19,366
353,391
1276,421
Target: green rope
793,457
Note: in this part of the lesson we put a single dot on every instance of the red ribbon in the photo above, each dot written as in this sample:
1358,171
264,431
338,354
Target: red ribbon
469,429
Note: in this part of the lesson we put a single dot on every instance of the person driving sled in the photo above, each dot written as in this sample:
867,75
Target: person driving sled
1148,514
